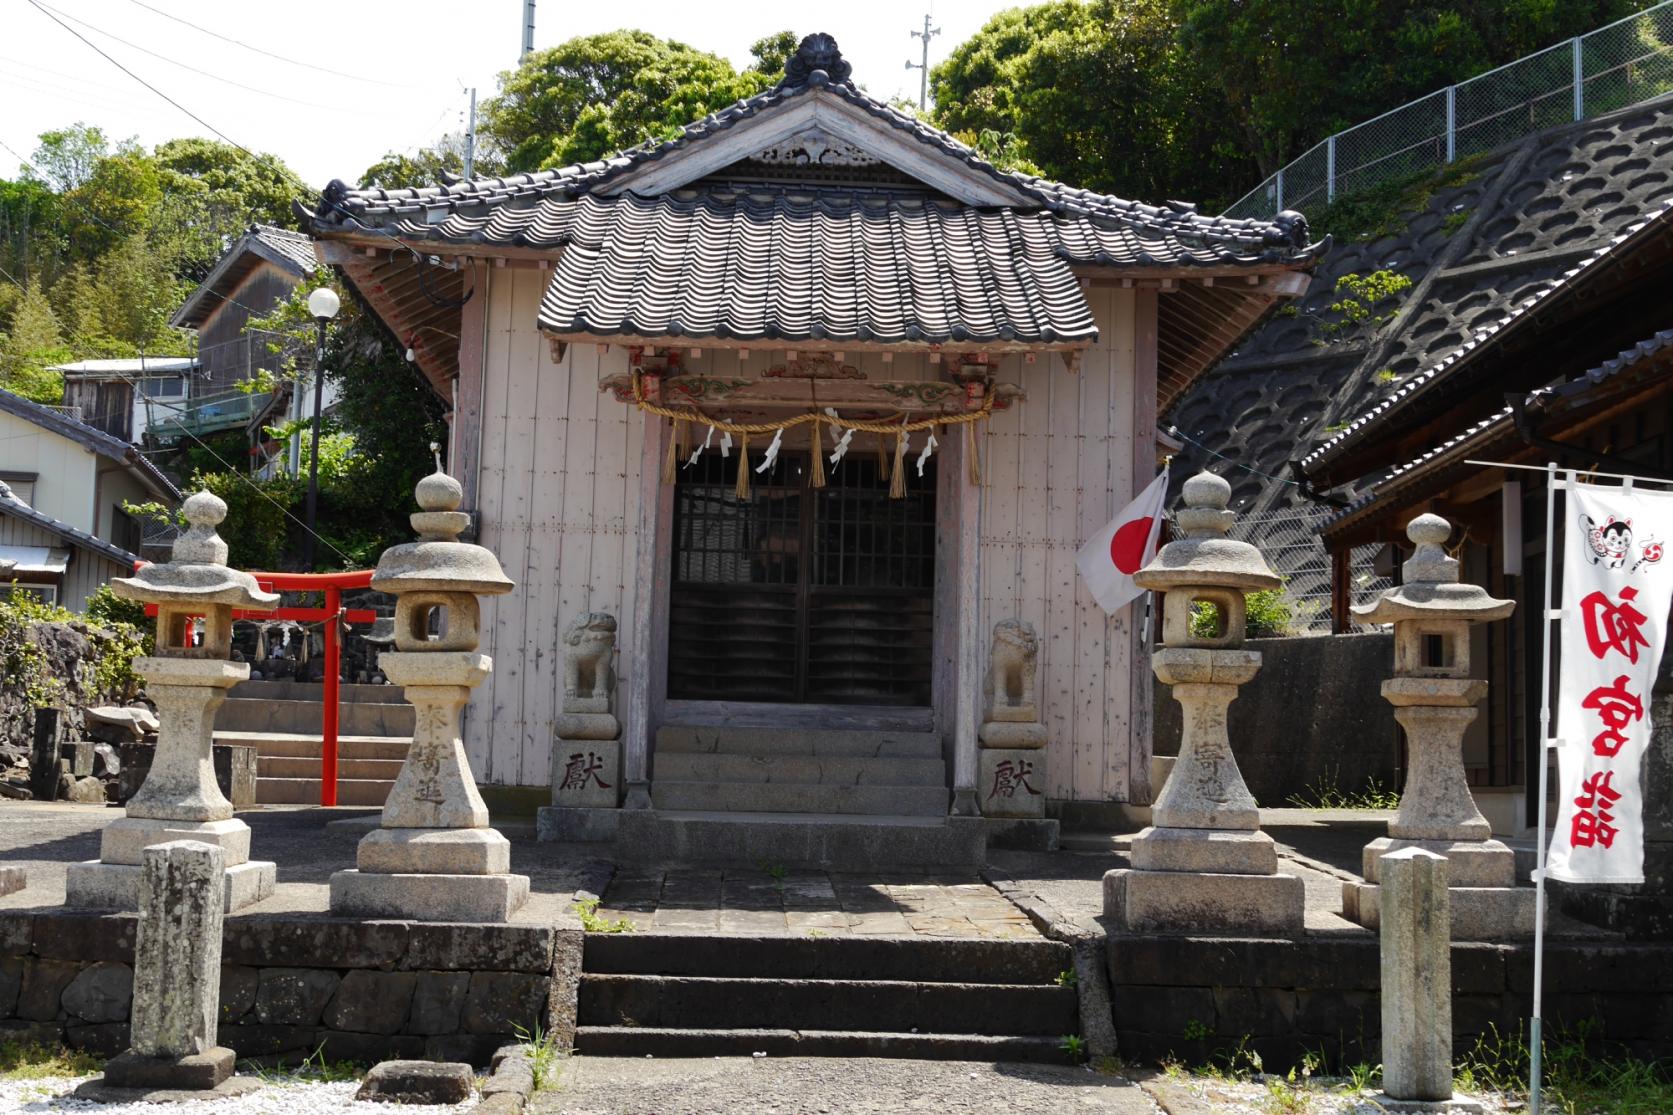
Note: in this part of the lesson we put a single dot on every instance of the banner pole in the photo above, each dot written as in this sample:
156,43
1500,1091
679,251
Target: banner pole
1535,1034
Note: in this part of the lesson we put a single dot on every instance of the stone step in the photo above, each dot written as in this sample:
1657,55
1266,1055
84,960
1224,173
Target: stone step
284,689
637,1041
801,797
824,840
924,959
359,719
305,745
798,741
712,1002
681,766
305,791
289,766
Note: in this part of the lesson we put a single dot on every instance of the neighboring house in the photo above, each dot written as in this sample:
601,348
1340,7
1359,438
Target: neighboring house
127,397
1526,214
1540,289
61,516
809,247
257,273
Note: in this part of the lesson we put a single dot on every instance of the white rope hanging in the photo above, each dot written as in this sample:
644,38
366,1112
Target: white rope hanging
771,458
698,452
929,447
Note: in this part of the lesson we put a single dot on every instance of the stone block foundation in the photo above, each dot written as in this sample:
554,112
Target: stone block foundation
1194,997
367,990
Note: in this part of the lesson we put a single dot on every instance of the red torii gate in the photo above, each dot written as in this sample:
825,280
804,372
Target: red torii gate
332,584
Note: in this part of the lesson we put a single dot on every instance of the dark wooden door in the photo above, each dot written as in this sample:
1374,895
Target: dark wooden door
802,594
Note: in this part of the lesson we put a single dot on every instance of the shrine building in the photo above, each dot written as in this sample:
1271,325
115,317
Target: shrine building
830,282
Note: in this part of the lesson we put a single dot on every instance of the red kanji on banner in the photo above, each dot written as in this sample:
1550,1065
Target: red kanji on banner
1617,708
1611,626
1592,819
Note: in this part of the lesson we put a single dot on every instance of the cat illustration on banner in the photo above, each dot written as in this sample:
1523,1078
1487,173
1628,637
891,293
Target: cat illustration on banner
1611,543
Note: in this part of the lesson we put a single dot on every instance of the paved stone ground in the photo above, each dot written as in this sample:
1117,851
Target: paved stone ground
818,1086
44,838
757,900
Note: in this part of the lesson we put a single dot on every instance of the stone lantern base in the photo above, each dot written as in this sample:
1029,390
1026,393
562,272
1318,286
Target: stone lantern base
1204,881
1487,905
179,799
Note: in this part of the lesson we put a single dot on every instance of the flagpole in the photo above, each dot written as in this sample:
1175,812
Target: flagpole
1535,1035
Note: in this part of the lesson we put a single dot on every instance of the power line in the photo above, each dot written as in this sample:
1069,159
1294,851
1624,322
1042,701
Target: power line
270,54
193,69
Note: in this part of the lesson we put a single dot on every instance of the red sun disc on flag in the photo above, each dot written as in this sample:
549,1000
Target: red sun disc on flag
1128,543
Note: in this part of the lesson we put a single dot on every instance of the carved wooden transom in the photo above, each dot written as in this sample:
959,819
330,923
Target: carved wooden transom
815,148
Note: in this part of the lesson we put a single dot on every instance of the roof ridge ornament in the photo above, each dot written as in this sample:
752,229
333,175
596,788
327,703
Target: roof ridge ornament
817,61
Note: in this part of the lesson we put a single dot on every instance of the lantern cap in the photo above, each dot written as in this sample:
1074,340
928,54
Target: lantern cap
197,572
1205,557
438,561
1431,588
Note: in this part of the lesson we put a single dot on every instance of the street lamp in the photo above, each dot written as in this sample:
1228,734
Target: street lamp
323,304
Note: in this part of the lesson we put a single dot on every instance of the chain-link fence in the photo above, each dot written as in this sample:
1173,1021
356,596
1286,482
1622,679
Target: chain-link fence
1290,541
1627,62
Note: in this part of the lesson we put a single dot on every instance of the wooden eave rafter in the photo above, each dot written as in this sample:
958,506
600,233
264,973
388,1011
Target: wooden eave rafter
423,316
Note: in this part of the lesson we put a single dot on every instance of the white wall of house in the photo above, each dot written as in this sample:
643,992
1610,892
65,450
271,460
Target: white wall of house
558,500
65,470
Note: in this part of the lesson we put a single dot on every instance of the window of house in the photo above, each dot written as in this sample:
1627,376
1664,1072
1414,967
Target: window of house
125,530
22,484
163,388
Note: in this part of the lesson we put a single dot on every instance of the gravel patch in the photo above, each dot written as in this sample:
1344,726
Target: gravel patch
827,1086
281,1097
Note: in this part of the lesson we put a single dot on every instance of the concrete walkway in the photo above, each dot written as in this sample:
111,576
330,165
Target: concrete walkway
830,1086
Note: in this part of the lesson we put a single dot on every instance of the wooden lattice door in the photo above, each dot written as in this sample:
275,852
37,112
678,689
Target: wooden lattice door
802,594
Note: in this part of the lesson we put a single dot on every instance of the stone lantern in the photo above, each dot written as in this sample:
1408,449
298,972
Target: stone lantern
1204,866
435,858
180,799
1435,700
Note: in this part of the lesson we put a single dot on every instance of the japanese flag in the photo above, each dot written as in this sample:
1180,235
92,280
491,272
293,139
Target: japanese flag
1112,555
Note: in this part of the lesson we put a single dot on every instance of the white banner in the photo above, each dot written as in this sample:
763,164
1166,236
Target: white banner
1616,593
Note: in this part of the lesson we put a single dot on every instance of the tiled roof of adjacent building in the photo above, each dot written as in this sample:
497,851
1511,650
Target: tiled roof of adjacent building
91,438
17,509
292,251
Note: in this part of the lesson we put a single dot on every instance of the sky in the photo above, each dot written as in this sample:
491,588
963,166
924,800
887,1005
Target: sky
354,81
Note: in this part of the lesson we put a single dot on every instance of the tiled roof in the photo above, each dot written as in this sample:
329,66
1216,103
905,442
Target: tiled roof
1486,336
511,211
17,509
1500,421
826,266
90,437
292,251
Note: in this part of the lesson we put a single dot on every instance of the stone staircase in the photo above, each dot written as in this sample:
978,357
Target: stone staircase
673,995
283,720
821,797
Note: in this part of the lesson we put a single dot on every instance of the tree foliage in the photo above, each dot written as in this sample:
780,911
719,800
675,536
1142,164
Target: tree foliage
598,94
1200,99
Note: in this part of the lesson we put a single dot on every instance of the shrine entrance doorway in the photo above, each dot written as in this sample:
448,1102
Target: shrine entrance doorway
802,595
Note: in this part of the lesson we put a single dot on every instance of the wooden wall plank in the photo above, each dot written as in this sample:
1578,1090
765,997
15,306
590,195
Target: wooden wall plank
1140,710
483,712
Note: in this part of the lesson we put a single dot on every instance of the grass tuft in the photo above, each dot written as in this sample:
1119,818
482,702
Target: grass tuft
33,1061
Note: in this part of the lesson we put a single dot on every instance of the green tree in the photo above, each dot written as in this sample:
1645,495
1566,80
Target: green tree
65,157
33,342
772,52
597,94
213,191
428,165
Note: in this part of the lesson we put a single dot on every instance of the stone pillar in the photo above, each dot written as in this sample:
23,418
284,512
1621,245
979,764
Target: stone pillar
1013,770
587,750
180,799
1416,976
177,973
1204,866
1435,700
435,858
968,768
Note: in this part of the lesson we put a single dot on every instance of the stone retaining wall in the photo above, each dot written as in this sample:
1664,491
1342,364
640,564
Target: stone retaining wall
1313,712
1193,997
365,990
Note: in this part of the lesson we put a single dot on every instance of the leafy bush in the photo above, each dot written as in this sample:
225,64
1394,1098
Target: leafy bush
107,675
1269,615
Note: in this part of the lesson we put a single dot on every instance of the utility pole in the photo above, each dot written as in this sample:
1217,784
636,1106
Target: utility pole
926,34
470,139
528,29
